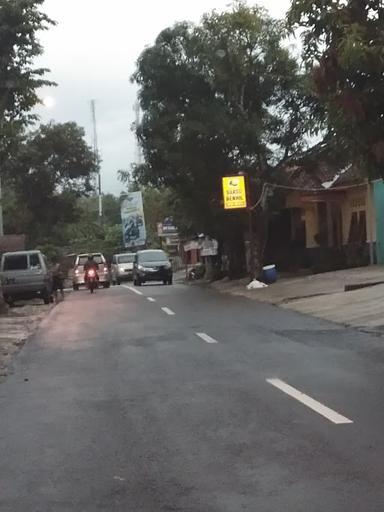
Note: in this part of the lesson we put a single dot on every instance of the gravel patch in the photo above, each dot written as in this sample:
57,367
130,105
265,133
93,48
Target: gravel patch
16,327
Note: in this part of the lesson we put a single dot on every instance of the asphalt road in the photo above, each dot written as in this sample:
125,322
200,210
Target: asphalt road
213,404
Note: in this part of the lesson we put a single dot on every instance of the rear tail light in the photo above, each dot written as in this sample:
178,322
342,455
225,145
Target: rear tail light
105,269
76,271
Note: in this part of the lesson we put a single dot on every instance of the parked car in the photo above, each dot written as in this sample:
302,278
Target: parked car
152,265
25,275
122,267
102,272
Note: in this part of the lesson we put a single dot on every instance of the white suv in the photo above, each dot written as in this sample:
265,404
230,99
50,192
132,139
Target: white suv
103,270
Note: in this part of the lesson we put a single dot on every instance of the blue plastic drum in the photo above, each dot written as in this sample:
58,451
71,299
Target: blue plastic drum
270,274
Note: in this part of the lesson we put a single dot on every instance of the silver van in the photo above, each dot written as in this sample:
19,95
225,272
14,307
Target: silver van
78,278
122,267
25,275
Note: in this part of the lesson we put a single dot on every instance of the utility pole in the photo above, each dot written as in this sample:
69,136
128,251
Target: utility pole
96,152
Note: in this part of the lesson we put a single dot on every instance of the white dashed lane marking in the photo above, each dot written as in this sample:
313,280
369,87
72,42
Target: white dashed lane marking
151,299
168,311
138,292
206,338
316,406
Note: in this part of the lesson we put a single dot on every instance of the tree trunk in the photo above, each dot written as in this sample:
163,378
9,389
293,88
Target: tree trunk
236,251
260,236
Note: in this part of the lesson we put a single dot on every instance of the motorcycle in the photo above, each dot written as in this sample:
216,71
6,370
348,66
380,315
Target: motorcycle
196,272
92,279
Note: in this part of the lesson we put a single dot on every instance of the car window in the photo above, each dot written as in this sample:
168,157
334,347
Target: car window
34,261
16,262
126,258
153,256
97,258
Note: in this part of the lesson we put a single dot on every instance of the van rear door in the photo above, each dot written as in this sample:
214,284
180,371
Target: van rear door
37,273
14,271
22,272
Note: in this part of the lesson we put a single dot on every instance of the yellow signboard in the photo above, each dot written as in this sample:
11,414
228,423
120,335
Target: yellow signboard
234,192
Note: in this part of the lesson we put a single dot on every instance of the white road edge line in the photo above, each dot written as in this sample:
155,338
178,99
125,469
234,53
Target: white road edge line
316,406
138,292
206,338
168,311
151,299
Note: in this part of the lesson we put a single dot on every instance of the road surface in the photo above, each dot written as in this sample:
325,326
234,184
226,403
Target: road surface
175,398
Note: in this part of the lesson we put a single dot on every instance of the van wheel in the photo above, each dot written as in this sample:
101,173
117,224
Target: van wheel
46,297
106,285
75,287
118,282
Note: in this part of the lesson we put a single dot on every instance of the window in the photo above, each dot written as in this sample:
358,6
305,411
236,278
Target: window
97,258
126,258
16,262
153,256
358,228
34,261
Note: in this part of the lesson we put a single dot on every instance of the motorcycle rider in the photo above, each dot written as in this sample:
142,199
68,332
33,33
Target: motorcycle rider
90,264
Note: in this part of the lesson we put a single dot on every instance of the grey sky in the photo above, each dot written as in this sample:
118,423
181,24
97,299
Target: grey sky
92,53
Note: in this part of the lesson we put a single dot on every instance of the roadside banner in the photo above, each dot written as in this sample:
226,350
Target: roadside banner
209,247
234,192
132,217
167,228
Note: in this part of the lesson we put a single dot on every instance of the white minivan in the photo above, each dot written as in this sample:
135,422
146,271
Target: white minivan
122,267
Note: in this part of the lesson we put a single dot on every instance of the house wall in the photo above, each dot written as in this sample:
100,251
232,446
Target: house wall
294,200
339,253
311,225
11,243
357,200
378,188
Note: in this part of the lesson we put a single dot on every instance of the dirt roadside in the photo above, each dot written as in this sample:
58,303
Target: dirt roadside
16,327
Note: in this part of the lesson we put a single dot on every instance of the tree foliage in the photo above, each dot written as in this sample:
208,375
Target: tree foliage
223,96
49,169
20,23
88,226
343,47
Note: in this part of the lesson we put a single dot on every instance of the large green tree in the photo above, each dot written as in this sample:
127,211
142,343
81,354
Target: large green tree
88,233
49,169
343,42
20,23
223,96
